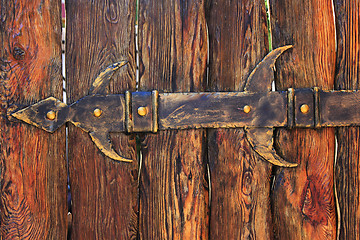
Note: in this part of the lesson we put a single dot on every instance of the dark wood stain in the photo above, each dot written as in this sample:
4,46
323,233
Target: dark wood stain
104,192
32,162
240,179
173,55
302,199
347,167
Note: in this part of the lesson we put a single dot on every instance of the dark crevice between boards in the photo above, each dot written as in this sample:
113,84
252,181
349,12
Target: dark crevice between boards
207,179
68,190
274,168
139,159
267,7
206,138
138,137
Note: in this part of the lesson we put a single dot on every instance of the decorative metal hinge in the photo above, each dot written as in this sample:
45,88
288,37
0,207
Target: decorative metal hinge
257,109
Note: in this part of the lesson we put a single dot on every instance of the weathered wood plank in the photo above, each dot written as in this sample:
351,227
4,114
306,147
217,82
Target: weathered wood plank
173,53
240,180
32,166
303,198
104,192
347,77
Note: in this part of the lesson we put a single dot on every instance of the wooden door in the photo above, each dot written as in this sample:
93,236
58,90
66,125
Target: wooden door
182,184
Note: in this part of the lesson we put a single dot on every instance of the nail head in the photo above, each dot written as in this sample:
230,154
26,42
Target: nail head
51,115
97,112
304,108
247,109
142,111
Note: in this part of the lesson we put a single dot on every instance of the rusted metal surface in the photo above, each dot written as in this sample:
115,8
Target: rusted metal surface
175,111
142,111
261,137
339,108
261,77
199,110
259,112
261,141
37,114
222,110
101,82
304,108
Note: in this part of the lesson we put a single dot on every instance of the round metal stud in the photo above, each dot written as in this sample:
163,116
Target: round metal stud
247,109
97,112
304,108
51,115
142,111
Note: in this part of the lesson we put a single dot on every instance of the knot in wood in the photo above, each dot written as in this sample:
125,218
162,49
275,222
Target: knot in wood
18,53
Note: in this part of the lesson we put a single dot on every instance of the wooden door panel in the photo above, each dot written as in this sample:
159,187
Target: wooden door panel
32,162
347,77
240,179
303,198
104,192
173,182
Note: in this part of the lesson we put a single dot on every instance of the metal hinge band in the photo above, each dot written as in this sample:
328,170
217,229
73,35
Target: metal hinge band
257,109
141,111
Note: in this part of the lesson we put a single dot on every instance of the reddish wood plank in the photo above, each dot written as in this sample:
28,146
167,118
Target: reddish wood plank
348,75
303,197
104,192
173,53
32,166
240,180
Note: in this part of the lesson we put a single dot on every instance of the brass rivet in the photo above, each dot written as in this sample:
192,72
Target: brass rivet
247,109
51,115
142,111
97,112
304,108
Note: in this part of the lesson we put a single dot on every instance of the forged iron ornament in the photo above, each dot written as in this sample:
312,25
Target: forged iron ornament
257,109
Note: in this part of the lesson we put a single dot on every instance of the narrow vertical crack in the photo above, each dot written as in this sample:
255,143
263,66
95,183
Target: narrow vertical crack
63,56
273,88
138,138
337,204
268,20
206,137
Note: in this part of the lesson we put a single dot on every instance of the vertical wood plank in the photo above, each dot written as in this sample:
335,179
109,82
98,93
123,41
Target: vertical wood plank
303,197
173,54
240,180
104,192
32,162
347,77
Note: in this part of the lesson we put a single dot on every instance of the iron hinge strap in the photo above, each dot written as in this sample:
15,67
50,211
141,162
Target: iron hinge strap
310,108
303,107
141,111
142,108
259,113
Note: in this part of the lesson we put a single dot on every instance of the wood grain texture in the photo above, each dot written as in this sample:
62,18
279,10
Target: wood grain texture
32,162
104,192
303,198
173,55
348,77
240,180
